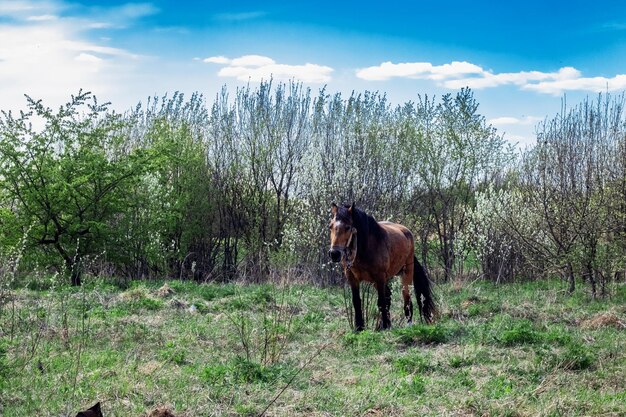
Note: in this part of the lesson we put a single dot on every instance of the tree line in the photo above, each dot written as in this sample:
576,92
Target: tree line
240,187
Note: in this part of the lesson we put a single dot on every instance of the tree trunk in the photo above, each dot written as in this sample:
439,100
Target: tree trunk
570,277
75,277
592,279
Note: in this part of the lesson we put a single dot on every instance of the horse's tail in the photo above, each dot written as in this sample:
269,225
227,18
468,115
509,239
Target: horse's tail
423,292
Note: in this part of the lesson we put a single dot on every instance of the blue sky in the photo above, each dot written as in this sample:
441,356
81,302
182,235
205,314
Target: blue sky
520,58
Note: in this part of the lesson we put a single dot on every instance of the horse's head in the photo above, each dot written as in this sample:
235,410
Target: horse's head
342,233
94,411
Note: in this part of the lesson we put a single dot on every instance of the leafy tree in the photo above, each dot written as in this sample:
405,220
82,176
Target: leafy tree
68,179
172,221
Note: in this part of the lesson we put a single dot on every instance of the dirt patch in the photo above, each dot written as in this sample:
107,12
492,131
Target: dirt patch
603,320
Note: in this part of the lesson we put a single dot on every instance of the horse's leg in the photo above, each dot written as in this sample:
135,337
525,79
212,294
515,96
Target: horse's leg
388,295
356,303
382,289
387,303
407,279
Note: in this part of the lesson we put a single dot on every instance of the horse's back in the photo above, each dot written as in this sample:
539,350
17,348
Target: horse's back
396,230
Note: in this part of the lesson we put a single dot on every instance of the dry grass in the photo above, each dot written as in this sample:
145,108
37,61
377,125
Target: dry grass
604,320
165,291
163,411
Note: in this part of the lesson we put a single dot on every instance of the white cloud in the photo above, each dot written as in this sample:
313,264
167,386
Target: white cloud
252,61
457,74
257,67
24,8
40,60
509,120
594,84
51,57
78,45
426,70
522,78
41,18
84,57
217,60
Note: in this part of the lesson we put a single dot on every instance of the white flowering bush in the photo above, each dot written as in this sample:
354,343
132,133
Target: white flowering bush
494,230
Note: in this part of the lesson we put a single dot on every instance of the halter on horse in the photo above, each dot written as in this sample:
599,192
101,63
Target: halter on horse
375,252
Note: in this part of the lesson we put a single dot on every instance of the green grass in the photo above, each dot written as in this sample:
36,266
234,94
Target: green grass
516,349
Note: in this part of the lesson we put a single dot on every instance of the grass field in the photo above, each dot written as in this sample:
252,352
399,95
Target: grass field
199,350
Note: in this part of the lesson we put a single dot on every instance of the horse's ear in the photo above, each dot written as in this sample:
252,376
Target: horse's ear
333,208
351,209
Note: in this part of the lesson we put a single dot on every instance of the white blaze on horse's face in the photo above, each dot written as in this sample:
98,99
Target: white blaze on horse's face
340,235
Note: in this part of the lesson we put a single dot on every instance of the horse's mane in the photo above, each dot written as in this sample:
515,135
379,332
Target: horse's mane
366,227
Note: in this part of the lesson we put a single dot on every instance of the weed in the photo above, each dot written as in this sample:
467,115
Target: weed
240,370
367,342
463,379
577,357
558,334
574,356
416,385
264,324
246,410
172,352
150,304
211,292
519,333
411,363
498,387
215,374
4,363
246,371
424,334
458,361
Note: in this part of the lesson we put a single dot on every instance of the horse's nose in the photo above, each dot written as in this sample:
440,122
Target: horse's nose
335,255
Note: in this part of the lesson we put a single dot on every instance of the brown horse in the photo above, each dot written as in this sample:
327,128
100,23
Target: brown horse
375,252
